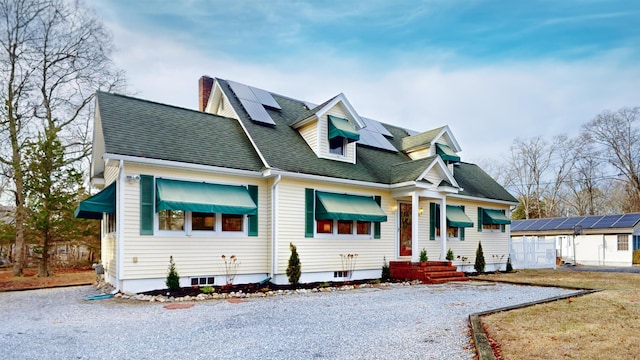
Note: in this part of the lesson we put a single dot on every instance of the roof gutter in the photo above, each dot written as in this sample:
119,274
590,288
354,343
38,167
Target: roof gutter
181,165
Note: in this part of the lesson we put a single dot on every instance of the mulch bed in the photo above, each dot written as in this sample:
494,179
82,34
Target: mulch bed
252,288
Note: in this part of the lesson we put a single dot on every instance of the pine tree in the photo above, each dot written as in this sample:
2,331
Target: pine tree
509,266
479,265
294,268
173,279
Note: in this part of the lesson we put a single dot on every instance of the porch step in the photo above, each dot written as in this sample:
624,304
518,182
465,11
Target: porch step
433,272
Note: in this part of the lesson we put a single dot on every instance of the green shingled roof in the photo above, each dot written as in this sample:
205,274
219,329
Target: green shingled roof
419,140
146,129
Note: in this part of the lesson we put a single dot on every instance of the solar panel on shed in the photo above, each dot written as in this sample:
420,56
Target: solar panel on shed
552,224
517,224
628,220
606,222
588,221
570,223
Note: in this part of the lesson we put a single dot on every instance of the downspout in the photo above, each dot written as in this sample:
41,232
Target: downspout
119,227
274,227
604,249
443,228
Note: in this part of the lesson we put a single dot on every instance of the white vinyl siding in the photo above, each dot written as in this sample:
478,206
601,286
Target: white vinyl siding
193,255
420,154
225,109
309,133
323,254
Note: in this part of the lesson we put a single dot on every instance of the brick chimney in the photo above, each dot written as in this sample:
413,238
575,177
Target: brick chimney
204,91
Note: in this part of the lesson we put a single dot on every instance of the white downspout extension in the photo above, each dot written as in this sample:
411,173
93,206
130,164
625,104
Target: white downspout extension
415,204
443,228
274,227
120,227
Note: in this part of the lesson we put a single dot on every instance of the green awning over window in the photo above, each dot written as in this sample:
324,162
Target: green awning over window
494,217
446,153
457,218
347,207
95,206
203,197
342,128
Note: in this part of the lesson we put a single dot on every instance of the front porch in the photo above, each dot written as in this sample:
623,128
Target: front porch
433,272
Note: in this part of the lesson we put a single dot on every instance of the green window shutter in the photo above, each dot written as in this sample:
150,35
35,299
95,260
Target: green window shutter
309,197
462,229
432,221
146,205
253,219
480,219
503,227
376,225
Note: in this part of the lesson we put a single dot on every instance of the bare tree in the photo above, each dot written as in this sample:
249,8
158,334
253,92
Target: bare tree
618,138
57,54
17,19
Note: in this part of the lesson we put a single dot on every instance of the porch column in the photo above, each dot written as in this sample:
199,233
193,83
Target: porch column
415,204
443,228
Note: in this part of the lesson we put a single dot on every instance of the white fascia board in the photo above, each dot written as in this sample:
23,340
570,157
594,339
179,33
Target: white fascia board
341,98
446,131
177,165
438,160
477,199
292,175
301,123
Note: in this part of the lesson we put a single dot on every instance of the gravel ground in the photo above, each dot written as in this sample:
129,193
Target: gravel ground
400,322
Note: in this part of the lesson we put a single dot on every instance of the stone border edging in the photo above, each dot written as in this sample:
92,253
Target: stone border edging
480,339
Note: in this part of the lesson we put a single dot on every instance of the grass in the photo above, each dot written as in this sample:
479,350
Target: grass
602,325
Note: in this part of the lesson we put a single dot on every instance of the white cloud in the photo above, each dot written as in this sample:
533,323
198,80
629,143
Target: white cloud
486,106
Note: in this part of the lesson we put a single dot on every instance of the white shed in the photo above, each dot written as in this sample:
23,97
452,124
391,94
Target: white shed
607,240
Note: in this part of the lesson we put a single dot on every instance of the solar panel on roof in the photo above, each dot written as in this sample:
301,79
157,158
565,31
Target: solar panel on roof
552,224
257,112
375,140
570,223
588,221
376,126
627,220
265,98
517,224
242,91
606,222
251,103
535,224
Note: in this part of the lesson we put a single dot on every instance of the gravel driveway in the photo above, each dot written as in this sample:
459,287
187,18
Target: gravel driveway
400,322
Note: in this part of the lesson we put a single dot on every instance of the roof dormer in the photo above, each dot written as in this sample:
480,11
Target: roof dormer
438,141
331,129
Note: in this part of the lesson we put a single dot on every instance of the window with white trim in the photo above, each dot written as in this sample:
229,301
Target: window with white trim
344,228
199,223
623,242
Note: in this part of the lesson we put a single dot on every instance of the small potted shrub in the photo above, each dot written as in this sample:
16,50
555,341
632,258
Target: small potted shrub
449,255
423,257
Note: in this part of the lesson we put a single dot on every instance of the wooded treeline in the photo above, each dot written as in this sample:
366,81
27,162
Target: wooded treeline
595,173
54,55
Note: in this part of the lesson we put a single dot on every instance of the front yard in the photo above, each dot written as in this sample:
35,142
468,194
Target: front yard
603,325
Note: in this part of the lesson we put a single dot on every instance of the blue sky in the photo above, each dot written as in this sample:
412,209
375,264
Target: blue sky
492,70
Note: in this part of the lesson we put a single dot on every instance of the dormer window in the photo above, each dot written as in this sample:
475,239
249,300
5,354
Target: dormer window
337,146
